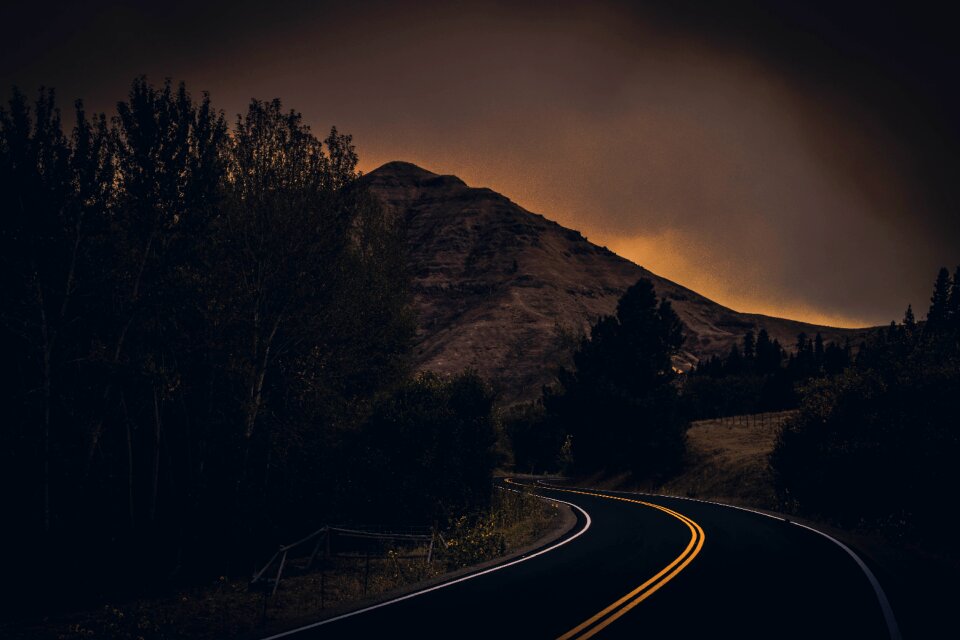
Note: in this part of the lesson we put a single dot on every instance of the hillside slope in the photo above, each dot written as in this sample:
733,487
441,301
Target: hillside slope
507,292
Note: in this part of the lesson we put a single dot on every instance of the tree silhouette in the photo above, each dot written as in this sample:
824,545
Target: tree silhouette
426,455
953,303
769,354
938,314
749,346
620,405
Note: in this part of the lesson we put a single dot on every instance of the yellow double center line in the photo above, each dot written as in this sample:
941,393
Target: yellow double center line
593,625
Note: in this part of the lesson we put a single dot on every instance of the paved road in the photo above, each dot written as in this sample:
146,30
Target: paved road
652,567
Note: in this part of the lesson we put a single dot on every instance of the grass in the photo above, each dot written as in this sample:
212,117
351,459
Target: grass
727,460
227,607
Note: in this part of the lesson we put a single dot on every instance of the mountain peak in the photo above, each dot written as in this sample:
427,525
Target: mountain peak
400,168
407,173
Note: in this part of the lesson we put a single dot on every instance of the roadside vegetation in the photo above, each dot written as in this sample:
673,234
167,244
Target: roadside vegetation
226,607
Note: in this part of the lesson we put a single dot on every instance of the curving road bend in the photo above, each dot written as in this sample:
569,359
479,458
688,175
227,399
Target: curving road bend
651,566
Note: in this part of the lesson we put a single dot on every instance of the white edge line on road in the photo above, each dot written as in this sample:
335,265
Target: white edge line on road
452,582
892,628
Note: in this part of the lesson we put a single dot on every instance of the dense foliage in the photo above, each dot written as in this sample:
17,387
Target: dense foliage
759,375
534,442
879,445
619,407
427,450
197,320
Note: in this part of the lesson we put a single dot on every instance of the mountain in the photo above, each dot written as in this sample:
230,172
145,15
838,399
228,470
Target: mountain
508,292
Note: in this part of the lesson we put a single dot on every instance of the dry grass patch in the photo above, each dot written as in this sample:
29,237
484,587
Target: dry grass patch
727,460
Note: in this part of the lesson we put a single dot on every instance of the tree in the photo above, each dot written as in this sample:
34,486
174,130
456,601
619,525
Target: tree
749,346
310,280
769,354
169,168
734,363
953,303
40,239
534,441
818,351
427,452
620,404
835,359
909,320
937,316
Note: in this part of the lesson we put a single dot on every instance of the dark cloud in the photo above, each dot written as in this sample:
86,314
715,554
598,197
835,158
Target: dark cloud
789,158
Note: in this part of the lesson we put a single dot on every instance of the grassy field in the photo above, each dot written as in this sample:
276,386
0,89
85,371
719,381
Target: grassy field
228,607
727,460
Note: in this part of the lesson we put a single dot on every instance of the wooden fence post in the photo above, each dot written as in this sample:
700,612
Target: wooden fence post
316,549
366,570
276,581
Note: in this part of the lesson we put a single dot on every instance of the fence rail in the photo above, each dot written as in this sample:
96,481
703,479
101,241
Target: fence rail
769,419
330,542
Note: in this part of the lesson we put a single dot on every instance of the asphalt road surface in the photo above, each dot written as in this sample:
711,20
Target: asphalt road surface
652,567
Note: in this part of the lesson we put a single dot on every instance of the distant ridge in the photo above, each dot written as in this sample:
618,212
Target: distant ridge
506,292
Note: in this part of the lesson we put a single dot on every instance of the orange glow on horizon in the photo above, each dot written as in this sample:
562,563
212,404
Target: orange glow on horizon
661,255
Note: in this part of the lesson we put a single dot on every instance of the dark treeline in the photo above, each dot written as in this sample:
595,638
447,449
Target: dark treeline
759,375
878,445
198,320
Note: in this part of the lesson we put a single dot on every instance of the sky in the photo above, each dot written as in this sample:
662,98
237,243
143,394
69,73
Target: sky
797,159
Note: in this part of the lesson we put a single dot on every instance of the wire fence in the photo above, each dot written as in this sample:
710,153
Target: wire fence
770,419
318,551
337,564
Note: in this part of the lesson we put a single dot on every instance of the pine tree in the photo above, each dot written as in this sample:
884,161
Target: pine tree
908,318
764,353
803,364
818,351
939,302
953,303
734,362
749,346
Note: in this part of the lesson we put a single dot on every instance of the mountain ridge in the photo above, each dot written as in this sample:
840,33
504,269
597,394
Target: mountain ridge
508,292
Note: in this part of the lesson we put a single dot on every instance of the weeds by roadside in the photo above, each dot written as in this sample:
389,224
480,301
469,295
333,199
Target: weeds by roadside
227,607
